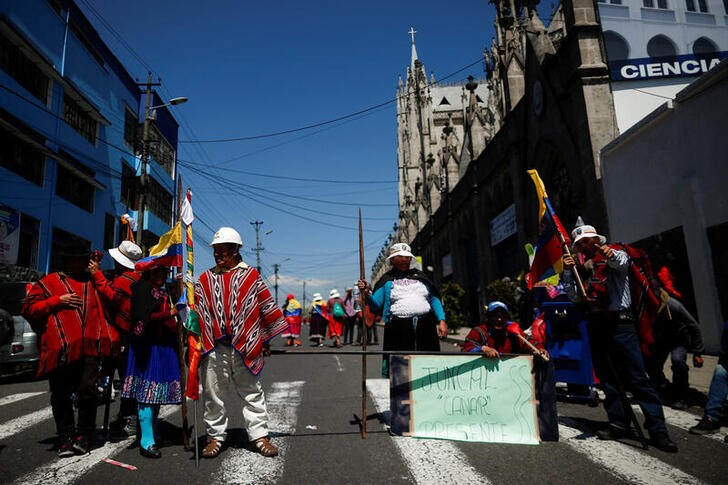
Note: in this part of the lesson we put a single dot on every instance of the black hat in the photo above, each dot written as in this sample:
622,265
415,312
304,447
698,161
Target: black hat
75,250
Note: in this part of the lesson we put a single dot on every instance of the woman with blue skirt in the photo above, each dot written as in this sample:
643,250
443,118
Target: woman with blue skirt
153,376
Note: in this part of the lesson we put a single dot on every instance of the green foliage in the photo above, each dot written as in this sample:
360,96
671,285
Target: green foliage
507,291
452,301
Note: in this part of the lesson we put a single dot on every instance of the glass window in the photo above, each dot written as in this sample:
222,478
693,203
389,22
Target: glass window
128,185
28,245
690,5
661,46
109,230
21,158
23,70
159,201
130,126
73,188
703,6
617,47
79,119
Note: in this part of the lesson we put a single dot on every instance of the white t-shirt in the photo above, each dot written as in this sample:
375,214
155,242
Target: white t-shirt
408,298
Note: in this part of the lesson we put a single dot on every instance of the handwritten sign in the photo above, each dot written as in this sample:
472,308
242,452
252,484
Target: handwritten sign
465,398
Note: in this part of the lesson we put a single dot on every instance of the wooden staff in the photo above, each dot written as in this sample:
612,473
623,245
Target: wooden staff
364,336
565,248
533,347
181,337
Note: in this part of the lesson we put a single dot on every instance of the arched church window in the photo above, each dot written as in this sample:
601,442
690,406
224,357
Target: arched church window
616,45
703,45
661,46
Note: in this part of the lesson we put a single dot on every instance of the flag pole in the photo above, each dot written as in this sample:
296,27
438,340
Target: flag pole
565,249
180,332
364,336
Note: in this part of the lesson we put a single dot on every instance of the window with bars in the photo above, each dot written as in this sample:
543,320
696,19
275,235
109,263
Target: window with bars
21,158
79,119
159,201
74,189
18,66
130,124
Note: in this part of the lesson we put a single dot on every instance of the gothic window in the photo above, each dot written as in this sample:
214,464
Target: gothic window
703,45
661,46
616,45
444,101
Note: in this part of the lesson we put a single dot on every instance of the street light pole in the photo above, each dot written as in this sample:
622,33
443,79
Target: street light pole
275,272
145,159
258,248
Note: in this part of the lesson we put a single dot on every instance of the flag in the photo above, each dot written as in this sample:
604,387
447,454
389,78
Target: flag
167,252
547,260
190,319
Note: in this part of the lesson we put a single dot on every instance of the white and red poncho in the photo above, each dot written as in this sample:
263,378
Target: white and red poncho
237,305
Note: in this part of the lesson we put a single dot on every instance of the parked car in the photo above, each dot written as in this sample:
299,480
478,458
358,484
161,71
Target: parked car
18,342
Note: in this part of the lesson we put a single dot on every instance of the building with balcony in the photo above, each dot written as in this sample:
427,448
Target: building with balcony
69,144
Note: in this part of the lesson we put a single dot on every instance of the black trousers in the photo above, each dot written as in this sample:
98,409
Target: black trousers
416,333
79,378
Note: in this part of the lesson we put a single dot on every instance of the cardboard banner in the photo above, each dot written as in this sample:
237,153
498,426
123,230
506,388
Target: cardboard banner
464,398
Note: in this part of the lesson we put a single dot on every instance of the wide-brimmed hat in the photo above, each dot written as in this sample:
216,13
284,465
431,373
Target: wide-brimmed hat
580,232
334,293
126,254
400,249
317,297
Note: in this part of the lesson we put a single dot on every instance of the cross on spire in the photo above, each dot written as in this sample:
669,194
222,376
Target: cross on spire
412,32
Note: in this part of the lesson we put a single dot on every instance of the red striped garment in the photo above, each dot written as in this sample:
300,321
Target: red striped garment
67,335
117,295
237,305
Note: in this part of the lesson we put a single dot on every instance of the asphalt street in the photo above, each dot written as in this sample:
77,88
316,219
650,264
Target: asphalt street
314,402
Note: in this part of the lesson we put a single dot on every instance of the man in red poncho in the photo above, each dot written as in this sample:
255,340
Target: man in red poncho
238,318
66,312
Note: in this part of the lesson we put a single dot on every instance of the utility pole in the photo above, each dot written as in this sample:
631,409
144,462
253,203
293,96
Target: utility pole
258,248
143,182
304,297
275,272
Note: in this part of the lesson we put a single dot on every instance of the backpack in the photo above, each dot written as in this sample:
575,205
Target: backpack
338,311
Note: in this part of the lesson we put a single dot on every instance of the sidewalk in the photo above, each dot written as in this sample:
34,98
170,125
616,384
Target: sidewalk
699,377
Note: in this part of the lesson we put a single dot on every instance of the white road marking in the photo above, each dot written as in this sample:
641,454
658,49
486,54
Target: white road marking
21,423
683,420
621,460
243,466
18,397
339,367
424,456
68,470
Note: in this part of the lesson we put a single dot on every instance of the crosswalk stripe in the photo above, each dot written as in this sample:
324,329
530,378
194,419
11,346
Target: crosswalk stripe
682,420
21,423
67,470
418,453
18,397
242,466
623,461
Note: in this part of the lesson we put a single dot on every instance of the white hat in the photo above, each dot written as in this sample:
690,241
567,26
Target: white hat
334,293
400,249
580,232
126,254
226,235
317,297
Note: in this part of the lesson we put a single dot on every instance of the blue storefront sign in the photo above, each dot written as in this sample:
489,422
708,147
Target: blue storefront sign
688,65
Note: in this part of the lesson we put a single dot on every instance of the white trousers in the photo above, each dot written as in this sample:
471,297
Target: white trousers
222,369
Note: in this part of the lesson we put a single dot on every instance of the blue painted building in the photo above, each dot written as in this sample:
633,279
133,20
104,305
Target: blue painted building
70,138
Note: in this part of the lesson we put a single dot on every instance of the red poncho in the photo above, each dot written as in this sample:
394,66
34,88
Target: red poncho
237,305
67,335
117,294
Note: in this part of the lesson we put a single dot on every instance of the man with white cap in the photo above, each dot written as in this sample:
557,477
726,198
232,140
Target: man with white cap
116,295
613,333
238,318
337,316
410,306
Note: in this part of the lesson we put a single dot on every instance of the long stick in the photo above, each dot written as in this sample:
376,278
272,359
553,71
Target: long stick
533,347
180,338
377,352
364,337
565,249
197,445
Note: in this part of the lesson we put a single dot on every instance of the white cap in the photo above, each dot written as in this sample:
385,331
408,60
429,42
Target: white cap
317,297
580,232
126,254
334,293
400,249
226,235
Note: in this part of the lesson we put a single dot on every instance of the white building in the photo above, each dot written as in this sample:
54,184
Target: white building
657,47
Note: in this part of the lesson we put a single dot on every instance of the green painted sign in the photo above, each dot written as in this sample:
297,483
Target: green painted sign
473,398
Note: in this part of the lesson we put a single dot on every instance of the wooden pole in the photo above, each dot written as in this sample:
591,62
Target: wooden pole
181,335
363,337
533,347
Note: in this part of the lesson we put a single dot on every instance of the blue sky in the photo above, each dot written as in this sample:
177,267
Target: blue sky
255,68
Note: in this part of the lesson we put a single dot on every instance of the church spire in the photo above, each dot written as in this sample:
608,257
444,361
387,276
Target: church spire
412,33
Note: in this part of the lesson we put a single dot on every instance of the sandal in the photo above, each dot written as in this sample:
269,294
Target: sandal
212,449
265,447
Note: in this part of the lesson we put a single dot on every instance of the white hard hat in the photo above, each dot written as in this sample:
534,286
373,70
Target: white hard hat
226,235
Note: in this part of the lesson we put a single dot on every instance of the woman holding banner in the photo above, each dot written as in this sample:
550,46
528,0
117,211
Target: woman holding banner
410,306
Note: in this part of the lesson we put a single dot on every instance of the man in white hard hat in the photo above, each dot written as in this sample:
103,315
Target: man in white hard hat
235,338
116,296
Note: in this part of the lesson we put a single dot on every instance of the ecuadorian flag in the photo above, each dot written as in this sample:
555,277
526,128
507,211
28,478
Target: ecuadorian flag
167,252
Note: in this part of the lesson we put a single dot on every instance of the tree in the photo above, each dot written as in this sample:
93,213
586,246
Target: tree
452,301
